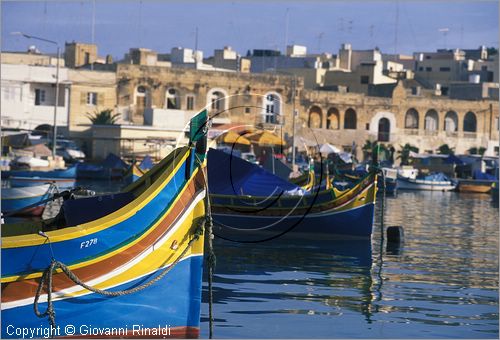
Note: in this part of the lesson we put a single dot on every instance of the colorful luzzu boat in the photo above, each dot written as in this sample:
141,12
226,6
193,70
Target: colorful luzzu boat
143,244
23,201
245,198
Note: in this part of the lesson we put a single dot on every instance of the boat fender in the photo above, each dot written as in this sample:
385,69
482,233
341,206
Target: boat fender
395,234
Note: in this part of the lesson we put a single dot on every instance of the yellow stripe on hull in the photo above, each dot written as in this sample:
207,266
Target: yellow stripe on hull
99,224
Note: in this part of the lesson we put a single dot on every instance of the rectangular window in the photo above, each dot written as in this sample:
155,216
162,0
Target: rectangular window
428,69
39,96
247,110
367,126
10,93
444,69
92,98
365,79
497,121
421,68
190,103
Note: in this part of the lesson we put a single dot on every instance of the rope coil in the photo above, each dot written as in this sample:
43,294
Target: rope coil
47,281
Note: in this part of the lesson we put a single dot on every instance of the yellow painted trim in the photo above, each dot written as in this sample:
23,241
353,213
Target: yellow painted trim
343,193
100,224
114,252
157,258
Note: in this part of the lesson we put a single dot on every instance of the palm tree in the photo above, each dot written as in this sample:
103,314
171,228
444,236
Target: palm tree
477,151
404,153
104,117
445,150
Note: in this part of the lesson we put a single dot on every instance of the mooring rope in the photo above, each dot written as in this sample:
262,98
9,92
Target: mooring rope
211,261
47,276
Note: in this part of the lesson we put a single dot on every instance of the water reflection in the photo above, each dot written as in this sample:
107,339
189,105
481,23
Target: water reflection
441,282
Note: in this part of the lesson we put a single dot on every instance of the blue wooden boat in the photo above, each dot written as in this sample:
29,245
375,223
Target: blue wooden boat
246,198
52,174
16,200
143,243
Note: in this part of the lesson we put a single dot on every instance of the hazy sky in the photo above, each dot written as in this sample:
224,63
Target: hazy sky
244,25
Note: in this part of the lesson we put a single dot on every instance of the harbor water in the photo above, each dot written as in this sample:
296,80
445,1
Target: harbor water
442,282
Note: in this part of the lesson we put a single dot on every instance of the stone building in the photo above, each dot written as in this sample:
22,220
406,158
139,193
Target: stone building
156,101
351,119
90,92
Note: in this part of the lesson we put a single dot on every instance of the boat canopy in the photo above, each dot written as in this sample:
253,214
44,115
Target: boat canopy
229,175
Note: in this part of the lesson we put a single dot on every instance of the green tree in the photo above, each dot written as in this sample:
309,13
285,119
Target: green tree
404,153
369,148
445,150
104,117
477,151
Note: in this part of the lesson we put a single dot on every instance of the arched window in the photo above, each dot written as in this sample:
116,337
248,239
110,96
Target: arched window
451,121
332,119
411,119
350,120
384,130
141,99
271,108
431,121
470,122
172,99
217,100
315,115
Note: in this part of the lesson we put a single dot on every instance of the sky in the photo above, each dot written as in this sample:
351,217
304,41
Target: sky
393,26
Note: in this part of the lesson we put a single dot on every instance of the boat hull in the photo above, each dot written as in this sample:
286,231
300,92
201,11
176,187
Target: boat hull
15,199
410,184
62,183
134,315
391,186
474,186
353,223
66,173
119,251
347,216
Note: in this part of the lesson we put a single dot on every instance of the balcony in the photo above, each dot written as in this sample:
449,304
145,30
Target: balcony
453,134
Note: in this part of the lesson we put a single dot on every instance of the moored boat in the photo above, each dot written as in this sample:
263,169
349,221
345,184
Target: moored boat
22,201
474,185
141,246
62,183
52,174
245,198
64,178
434,182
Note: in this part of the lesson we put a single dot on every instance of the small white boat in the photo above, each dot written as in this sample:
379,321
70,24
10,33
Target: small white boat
434,182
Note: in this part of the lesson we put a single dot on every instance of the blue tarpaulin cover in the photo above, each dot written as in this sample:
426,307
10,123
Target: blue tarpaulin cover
230,175
436,177
114,162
